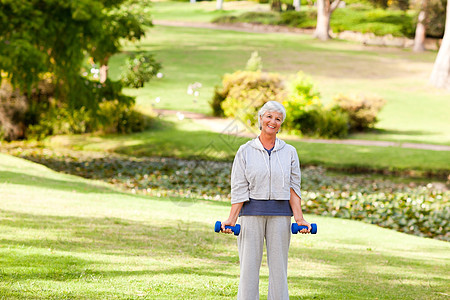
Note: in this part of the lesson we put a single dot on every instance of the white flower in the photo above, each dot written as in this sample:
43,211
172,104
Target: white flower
196,93
157,99
159,75
190,91
180,116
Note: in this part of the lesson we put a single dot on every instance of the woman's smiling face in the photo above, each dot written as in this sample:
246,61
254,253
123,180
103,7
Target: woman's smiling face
271,122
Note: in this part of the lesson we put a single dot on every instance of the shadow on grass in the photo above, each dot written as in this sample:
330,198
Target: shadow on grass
365,274
370,275
400,132
115,236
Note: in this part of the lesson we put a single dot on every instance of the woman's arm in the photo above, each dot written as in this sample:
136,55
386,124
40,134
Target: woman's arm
296,206
232,219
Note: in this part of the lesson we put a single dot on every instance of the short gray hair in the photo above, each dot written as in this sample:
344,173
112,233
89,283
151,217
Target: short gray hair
271,106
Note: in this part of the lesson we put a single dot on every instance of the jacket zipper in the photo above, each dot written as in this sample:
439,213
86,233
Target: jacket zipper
270,176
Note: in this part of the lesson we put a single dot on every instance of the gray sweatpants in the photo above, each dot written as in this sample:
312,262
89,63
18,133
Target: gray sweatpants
276,231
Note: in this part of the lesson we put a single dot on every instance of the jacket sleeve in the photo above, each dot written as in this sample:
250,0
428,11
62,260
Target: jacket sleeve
296,174
239,184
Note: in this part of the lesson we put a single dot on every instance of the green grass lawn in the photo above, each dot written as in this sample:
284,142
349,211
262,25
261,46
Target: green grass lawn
64,237
187,139
414,112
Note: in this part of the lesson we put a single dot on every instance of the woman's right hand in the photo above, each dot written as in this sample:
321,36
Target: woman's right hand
232,219
228,222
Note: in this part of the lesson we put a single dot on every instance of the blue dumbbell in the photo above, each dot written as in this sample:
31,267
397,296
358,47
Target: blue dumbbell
236,229
296,228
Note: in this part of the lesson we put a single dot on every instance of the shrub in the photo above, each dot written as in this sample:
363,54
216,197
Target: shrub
306,115
118,118
315,120
254,63
259,17
244,92
361,109
225,20
58,119
139,69
301,19
216,102
40,113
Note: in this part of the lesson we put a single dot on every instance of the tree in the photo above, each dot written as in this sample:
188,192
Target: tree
54,37
440,76
419,39
324,10
219,4
47,42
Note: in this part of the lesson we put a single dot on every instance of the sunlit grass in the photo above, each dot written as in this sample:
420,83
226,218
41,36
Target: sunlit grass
66,237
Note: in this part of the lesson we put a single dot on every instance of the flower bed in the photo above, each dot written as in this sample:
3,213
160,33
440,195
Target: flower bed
422,209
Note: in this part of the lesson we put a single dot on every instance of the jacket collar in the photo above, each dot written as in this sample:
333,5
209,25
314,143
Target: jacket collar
256,143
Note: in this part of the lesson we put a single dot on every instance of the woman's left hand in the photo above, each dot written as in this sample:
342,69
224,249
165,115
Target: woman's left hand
302,222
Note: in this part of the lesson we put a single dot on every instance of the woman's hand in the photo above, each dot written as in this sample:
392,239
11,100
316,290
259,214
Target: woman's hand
232,219
228,222
302,222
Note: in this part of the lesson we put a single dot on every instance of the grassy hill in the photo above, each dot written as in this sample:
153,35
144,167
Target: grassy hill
64,237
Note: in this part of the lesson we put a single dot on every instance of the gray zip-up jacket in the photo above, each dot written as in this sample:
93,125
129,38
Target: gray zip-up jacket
258,175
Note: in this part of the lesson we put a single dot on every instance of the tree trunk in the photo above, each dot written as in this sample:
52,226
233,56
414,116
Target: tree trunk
419,39
324,11
275,5
297,4
219,4
440,76
103,73
104,70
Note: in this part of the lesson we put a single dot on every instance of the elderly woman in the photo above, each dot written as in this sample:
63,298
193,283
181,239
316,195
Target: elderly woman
265,193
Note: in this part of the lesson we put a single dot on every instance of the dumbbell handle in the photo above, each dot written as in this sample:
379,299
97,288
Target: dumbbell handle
295,228
236,229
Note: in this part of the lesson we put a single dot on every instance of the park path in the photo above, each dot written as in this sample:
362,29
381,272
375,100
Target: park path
236,127
244,27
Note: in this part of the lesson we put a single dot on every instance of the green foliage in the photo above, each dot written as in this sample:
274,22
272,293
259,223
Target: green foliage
435,21
115,117
139,69
59,120
54,37
301,19
250,17
40,40
361,109
216,102
40,113
111,117
378,21
245,92
306,115
354,18
254,63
